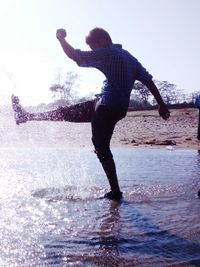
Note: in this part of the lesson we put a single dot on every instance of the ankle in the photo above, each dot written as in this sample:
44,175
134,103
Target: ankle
113,196
116,192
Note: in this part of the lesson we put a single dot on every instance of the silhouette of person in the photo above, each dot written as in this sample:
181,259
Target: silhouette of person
197,105
121,70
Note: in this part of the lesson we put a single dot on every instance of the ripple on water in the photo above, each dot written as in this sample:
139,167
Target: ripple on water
52,213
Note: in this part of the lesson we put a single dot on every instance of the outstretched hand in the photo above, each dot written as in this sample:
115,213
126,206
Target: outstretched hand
61,34
164,112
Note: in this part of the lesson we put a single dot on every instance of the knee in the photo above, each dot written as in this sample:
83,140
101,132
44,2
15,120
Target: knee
102,151
103,156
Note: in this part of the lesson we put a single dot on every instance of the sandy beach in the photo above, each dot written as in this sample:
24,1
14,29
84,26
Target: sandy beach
138,129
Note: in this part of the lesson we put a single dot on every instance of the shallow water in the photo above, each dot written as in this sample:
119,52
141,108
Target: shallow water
52,214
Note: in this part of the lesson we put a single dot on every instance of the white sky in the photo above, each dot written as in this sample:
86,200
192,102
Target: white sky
164,35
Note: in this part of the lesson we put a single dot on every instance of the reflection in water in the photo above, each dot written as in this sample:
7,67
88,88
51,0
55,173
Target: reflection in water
110,251
51,213
142,244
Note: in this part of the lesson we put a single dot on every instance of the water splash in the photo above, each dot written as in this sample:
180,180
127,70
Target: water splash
51,213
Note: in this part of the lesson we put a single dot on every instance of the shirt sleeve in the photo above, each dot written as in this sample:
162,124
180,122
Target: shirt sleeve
142,74
92,58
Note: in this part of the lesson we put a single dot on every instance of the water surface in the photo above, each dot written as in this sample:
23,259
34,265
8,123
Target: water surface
52,213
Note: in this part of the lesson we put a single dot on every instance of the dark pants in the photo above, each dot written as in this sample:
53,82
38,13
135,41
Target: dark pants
81,112
103,121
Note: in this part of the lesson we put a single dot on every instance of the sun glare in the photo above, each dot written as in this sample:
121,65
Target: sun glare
6,6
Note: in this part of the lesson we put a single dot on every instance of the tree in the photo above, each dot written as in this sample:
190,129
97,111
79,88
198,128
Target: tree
65,91
143,91
168,91
56,88
140,96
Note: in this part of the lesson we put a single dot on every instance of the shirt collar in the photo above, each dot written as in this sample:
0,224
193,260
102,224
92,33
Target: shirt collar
119,46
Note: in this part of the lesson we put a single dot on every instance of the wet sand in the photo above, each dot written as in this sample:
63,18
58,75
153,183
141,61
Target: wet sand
138,129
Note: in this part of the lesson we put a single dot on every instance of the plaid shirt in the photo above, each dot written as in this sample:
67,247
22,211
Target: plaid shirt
197,101
121,70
